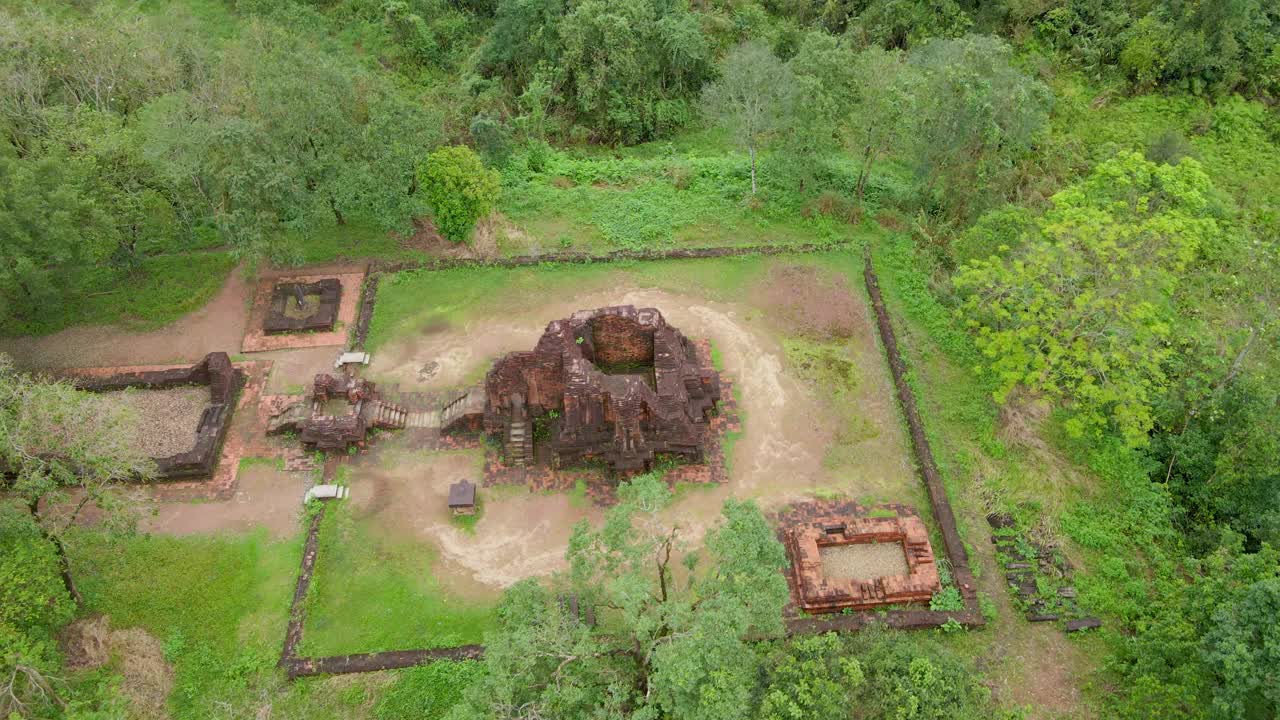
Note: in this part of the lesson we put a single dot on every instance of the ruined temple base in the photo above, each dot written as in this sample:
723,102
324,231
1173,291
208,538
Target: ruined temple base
601,485
247,424
256,338
820,513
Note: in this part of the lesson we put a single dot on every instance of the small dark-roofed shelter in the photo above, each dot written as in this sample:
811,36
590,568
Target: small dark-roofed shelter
462,498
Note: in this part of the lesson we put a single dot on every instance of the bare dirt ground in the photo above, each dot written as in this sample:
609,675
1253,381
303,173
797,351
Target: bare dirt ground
518,534
265,497
293,371
787,427
217,327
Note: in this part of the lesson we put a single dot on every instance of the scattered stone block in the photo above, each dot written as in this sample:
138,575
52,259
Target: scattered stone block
1084,623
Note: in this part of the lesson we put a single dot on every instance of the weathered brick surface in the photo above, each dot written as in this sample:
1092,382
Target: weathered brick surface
805,528
660,400
243,431
620,340
277,321
256,338
214,371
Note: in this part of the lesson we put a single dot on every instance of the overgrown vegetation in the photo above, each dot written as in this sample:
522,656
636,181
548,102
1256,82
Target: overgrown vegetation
1071,202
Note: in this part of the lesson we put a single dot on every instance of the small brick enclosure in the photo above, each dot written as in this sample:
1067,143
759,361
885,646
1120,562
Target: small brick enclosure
215,371
277,323
323,316
817,591
337,413
616,385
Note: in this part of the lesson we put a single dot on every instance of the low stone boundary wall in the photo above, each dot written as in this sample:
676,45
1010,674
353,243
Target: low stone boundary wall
952,543
371,662
223,380
615,256
970,617
297,608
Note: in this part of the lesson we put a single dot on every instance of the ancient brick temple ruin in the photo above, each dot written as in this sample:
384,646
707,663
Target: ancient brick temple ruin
617,385
223,381
337,413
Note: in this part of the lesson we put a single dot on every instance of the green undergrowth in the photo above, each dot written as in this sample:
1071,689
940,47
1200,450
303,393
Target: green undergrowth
219,605
161,290
1116,525
371,592
605,204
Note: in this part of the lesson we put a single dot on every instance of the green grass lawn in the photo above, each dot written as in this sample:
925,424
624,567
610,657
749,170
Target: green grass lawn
371,593
409,300
219,605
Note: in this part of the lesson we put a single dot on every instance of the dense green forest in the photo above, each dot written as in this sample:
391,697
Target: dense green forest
1073,200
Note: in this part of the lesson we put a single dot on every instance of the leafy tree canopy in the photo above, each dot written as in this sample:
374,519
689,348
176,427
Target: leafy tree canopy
1083,310
459,189
752,96
677,620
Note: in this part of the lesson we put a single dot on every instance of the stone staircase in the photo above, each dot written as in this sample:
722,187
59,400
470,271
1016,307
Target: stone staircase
422,419
388,416
518,442
453,410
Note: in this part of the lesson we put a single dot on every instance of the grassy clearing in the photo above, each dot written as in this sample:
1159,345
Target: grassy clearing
356,240
219,605
163,289
652,198
408,301
372,593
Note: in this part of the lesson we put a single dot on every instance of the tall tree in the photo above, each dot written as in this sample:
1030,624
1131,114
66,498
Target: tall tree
459,189
676,644
290,137
64,449
49,223
1082,312
886,87
976,116
824,87
1243,649
752,96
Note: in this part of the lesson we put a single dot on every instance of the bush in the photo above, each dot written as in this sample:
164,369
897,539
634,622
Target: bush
31,591
459,189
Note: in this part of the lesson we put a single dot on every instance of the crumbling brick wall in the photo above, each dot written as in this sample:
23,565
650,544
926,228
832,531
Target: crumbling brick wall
215,371
819,592
620,340
658,400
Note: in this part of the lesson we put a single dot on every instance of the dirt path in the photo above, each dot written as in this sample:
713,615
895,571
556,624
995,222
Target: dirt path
265,497
1032,665
218,326
294,371
518,534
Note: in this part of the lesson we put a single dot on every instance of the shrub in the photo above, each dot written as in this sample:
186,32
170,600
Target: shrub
459,189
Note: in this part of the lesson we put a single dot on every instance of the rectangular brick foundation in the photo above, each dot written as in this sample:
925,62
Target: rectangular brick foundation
818,592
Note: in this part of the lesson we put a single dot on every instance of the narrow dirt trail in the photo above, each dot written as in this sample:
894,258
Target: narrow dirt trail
1032,665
